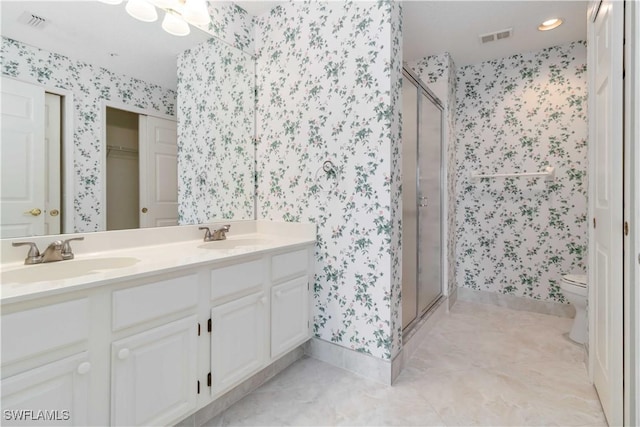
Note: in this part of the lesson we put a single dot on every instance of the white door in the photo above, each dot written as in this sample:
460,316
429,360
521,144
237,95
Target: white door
22,164
158,172
605,253
61,389
289,315
154,380
52,203
238,340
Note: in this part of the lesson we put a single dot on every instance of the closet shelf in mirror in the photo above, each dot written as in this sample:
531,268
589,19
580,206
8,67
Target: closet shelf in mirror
121,149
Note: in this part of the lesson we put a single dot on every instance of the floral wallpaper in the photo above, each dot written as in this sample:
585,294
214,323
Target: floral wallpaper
438,73
90,86
518,236
231,24
216,108
328,79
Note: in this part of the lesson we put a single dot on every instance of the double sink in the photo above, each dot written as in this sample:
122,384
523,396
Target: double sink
93,264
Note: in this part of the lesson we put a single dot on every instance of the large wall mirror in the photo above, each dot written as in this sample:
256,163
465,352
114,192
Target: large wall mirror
112,123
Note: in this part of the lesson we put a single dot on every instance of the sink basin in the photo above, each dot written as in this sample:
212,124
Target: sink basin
238,243
64,269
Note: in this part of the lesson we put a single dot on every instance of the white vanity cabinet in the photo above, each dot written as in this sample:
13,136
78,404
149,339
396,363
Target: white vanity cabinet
59,389
45,364
155,348
289,315
290,301
238,341
153,372
239,322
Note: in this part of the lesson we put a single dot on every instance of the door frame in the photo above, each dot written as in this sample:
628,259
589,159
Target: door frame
102,216
618,373
632,215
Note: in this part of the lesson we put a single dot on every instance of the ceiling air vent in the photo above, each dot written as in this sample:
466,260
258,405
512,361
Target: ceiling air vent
33,20
496,35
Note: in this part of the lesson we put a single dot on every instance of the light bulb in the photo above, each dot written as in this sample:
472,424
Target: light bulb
142,10
174,24
550,24
196,12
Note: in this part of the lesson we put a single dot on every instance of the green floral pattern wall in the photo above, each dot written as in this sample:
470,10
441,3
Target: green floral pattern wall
216,109
518,236
328,78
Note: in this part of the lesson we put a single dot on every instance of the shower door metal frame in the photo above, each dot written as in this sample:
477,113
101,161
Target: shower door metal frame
420,87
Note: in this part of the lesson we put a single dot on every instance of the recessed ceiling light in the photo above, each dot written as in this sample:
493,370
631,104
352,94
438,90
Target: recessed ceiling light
550,24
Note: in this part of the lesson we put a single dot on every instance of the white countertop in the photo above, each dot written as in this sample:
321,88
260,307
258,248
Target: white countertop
135,254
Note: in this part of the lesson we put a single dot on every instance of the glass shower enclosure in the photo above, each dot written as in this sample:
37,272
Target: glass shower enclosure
422,186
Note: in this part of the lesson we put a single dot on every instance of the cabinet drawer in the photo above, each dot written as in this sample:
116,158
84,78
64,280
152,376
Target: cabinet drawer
31,332
237,280
147,302
289,264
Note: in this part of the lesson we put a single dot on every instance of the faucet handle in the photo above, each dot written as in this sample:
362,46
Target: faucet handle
33,257
67,253
226,228
207,234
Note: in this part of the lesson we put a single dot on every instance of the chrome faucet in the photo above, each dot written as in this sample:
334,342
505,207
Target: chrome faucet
56,251
217,234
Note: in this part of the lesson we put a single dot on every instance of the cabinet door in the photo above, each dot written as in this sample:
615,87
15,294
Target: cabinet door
238,340
53,394
289,315
154,375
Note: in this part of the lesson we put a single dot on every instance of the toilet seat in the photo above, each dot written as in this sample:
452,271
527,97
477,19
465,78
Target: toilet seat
575,280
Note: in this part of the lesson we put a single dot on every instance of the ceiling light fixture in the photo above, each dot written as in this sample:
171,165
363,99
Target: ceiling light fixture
178,13
174,24
141,10
550,24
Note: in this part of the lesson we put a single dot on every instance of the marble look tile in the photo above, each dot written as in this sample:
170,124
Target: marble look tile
481,365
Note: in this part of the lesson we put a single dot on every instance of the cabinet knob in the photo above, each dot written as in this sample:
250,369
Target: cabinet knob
84,367
123,354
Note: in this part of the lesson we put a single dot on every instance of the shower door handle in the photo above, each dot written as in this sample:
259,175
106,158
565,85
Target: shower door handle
423,202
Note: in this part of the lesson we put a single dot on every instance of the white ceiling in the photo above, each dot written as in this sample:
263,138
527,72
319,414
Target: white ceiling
107,36
94,32
435,27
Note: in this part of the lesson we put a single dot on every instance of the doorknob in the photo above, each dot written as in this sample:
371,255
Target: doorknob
34,212
145,210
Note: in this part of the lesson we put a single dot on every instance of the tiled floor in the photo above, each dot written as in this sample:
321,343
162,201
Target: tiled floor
480,365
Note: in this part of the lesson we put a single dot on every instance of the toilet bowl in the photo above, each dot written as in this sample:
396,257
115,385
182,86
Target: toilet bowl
574,288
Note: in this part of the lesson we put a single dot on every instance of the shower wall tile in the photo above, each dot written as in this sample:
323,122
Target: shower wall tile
216,108
91,86
328,78
518,236
438,73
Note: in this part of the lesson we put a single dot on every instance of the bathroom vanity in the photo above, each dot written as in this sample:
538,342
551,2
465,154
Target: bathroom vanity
145,327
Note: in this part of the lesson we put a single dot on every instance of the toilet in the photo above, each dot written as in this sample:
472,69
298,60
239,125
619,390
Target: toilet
574,288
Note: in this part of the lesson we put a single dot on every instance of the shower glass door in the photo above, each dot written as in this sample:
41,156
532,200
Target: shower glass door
429,202
421,200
